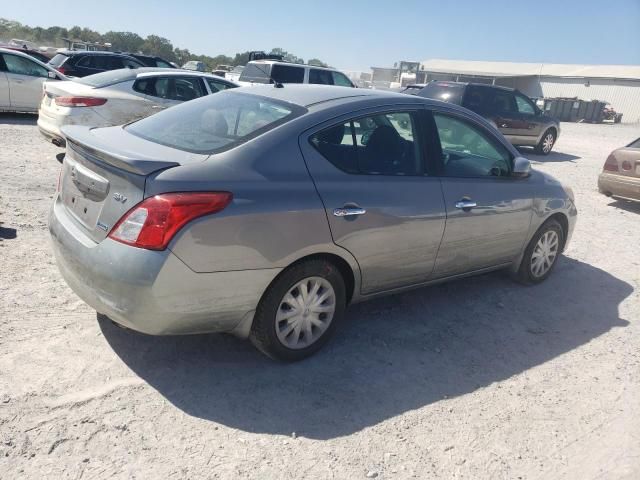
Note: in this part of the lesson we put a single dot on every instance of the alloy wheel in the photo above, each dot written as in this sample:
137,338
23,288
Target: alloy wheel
547,143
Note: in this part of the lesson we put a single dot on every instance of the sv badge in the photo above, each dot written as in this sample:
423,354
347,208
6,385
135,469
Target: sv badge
118,197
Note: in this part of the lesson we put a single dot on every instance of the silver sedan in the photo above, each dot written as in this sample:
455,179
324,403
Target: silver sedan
265,212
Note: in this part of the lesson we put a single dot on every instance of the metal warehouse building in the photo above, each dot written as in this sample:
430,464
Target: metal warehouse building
617,84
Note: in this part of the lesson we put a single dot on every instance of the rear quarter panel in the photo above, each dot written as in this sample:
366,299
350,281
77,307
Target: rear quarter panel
276,215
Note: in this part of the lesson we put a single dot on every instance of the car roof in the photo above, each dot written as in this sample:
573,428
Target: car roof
151,71
475,84
25,55
307,95
282,62
69,53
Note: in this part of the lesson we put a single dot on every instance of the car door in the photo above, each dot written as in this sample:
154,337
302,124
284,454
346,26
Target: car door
25,78
488,210
381,204
530,121
502,110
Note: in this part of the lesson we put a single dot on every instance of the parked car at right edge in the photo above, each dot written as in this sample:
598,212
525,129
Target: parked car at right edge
265,211
620,176
120,96
513,113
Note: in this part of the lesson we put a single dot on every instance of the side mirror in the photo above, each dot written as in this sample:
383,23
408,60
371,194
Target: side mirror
52,75
521,167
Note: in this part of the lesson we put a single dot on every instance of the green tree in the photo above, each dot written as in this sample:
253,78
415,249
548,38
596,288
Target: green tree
124,41
317,62
160,46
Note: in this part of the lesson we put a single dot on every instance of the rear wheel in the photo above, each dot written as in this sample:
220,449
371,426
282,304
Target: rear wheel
300,311
546,143
541,255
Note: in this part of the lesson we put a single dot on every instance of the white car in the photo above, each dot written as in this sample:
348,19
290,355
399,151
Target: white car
21,79
120,96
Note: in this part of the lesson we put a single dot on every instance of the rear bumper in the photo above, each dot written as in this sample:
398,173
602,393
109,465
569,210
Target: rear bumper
152,292
619,185
50,131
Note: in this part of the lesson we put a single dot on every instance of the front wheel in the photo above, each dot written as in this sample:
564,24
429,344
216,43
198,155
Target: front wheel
542,253
546,143
299,311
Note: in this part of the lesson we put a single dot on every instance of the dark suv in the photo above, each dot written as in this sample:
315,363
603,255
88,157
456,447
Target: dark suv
151,61
512,112
82,63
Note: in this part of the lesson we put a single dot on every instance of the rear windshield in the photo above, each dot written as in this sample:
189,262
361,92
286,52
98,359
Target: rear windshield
214,123
446,92
256,73
107,78
58,60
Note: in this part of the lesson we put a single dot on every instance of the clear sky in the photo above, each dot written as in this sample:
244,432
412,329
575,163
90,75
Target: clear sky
356,34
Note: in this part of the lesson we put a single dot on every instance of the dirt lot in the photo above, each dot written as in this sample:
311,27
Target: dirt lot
481,378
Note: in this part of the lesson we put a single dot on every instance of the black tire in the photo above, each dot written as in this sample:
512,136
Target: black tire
263,331
540,148
525,273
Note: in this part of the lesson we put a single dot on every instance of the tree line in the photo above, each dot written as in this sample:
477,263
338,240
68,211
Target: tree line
130,42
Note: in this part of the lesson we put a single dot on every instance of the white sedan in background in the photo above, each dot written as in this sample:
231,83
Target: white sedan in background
21,79
120,96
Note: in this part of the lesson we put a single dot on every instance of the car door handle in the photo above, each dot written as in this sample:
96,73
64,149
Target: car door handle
348,211
465,205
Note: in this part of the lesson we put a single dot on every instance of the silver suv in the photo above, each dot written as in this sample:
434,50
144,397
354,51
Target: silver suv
273,71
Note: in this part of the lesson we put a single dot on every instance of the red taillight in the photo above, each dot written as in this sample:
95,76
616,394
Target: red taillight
80,101
62,70
153,222
611,165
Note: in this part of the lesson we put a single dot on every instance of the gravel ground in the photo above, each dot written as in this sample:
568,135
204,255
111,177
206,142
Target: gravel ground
480,378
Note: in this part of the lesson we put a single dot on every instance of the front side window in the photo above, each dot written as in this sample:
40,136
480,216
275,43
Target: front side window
341,80
217,86
524,105
186,88
382,144
214,123
287,73
23,66
468,151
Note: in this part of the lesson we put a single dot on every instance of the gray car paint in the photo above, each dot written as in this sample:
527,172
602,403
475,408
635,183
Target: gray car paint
216,268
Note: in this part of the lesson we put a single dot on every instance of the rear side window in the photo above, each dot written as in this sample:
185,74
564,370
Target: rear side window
445,92
320,77
153,86
287,73
214,123
256,73
128,63
468,151
381,144
58,60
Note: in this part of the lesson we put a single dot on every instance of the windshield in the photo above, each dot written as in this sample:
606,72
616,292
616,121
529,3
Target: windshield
107,78
446,92
214,123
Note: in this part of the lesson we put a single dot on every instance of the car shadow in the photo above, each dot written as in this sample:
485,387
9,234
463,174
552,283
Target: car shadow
553,157
18,119
390,356
628,205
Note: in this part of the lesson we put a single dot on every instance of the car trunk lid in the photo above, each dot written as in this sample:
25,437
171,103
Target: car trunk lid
99,183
